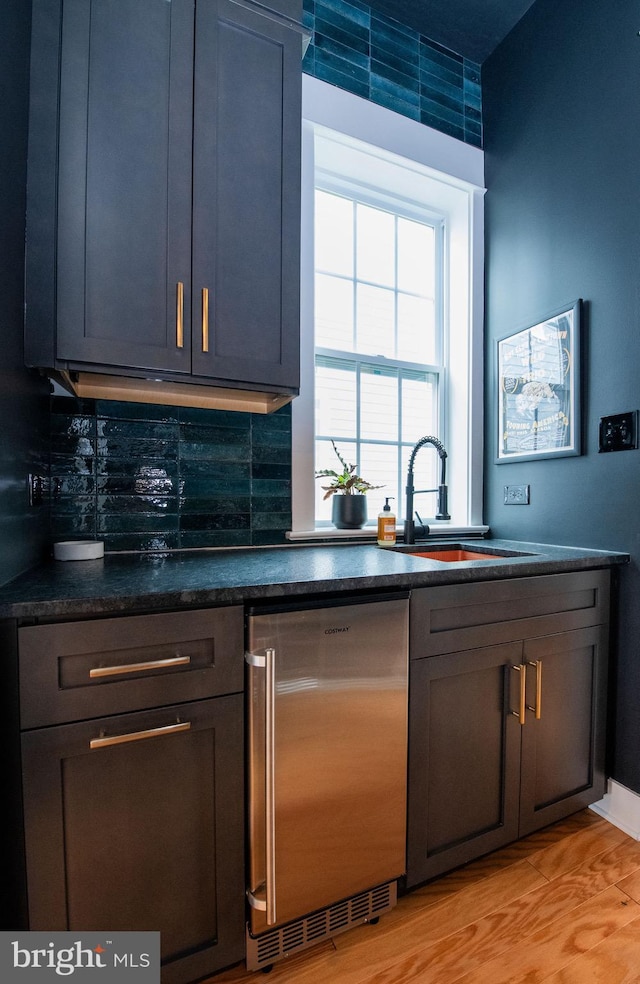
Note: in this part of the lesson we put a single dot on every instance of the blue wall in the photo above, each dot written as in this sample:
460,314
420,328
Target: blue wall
562,144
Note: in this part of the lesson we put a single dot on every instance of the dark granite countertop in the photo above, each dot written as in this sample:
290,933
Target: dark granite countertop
132,583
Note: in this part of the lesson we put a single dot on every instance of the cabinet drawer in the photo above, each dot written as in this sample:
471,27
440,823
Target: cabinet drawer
467,616
77,670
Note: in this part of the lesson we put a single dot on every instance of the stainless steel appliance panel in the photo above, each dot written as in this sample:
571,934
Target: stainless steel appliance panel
328,755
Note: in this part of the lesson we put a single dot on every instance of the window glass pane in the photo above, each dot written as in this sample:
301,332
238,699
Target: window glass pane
334,312
379,405
416,257
375,320
335,401
416,329
426,471
379,465
323,506
334,234
418,407
375,247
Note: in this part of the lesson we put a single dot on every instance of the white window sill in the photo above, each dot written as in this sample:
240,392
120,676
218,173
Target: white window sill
436,530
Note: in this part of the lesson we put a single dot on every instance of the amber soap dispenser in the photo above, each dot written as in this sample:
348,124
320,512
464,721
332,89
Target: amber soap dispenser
386,525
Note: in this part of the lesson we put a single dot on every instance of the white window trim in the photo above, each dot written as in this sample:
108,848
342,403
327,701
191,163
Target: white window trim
457,166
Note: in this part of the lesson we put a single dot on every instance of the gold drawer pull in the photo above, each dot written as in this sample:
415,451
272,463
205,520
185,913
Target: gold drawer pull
180,314
205,319
153,664
169,729
521,713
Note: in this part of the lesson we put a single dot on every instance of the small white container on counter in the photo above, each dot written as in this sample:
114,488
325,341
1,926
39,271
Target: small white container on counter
78,550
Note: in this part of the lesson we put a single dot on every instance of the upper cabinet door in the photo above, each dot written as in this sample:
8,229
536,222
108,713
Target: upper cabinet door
246,217
124,191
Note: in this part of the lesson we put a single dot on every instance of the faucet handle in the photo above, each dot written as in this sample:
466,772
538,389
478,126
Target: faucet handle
422,524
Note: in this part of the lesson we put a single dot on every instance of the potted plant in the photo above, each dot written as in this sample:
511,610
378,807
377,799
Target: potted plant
349,507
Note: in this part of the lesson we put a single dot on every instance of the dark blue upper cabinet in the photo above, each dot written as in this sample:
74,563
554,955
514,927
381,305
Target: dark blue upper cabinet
246,204
124,183
169,241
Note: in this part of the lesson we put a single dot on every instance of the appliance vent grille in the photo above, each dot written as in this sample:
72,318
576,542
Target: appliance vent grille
284,941
380,899
360,907
338,917
316,926
293,936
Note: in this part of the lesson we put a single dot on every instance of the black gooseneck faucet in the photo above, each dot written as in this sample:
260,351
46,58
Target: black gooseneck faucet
442,511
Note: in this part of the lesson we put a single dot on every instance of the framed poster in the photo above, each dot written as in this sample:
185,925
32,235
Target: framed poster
538,383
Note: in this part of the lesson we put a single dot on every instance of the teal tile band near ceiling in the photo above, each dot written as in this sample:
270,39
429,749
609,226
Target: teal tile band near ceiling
380,59
143,477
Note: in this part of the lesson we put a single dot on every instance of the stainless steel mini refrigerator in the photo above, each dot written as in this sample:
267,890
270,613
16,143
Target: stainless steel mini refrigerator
327,740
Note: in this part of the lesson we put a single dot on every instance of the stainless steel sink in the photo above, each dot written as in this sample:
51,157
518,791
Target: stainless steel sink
454,553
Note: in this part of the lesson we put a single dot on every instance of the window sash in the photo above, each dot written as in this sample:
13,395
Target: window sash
378,445
375,412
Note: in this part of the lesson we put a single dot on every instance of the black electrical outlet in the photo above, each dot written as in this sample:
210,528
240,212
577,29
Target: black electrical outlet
619,432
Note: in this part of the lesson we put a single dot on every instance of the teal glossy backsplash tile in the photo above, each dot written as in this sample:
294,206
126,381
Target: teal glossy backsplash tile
153,477
156,478
205,478
377,58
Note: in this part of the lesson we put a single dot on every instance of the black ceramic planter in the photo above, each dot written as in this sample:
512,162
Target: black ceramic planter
349,512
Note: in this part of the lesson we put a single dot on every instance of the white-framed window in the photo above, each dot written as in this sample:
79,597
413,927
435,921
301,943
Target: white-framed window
391,346
378,327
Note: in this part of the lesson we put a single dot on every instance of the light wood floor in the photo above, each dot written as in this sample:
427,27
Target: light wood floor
560,906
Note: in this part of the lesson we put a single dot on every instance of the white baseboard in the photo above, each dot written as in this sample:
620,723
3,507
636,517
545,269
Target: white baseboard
621,807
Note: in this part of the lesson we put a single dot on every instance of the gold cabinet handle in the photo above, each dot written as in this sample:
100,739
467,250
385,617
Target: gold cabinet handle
169,729
152,664
180,314
538,705
521,712
205,319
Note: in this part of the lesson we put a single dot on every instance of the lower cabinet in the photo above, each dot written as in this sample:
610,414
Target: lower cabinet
135,821
563,738
464,759
505,738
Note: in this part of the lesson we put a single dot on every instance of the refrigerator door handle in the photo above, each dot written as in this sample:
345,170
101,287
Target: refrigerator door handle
268,904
